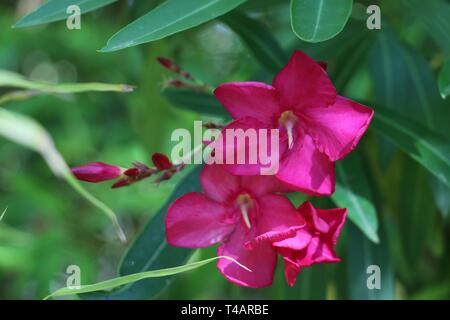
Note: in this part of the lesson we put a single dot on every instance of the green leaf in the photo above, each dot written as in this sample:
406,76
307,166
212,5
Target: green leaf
170,17
259,40
131,278
151,251
444,80
353,192
200,102
27,132
426,147
15,80
319,20
362,254
434,16
55,10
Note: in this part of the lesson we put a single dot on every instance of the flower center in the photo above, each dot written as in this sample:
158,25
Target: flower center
245,203
288,120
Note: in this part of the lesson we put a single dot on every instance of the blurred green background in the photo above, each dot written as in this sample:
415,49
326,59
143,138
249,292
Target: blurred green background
48,226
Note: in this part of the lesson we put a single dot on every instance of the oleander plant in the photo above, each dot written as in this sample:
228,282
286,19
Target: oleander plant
225,149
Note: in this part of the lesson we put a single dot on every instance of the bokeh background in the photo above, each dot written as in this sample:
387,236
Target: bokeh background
48,226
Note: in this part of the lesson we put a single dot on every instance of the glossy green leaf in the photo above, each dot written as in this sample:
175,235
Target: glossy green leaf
319,20
15,80
132,278
353,192
200,102
170,17
426,147
361,255
55,10
444,80
259,40
151,251
404,82
27,132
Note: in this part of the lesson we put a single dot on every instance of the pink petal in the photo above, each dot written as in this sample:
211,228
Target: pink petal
337,130
260,185
218,184
304,83
261,260
249,99
249,148
312,215
277,220
335,218
298,242
306,169
195,221
291,268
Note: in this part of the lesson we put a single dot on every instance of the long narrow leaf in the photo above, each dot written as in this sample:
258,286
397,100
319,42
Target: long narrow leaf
27,132
170,17
15,80
352,192
131,278
55,10
429,149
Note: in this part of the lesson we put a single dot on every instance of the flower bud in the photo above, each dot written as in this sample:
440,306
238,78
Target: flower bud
161,161
96,172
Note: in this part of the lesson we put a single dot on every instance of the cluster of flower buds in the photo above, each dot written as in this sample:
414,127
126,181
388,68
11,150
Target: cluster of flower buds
99,171
185,81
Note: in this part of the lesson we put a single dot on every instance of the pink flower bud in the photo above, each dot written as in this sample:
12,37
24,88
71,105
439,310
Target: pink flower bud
121,183
161,161
132,172
96,172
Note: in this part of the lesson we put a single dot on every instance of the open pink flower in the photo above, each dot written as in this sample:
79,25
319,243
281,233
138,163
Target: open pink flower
243,214
317,127
313,244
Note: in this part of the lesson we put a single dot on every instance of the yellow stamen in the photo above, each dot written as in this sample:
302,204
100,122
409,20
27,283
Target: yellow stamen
245,202
288,120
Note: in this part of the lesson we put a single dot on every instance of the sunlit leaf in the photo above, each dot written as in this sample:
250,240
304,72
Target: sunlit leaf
55,10
352,192
27,132
151,251
319,20
170,17
131,278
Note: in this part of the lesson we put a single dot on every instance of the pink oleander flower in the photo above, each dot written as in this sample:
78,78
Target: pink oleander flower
97,172
317,127
246,216
313,244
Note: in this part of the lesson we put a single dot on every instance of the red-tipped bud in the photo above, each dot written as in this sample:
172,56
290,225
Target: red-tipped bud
121,183
168,64
323,64
177,84
132,172
96,172
161,161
